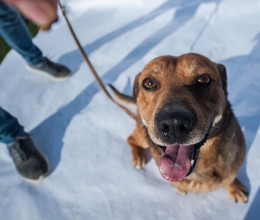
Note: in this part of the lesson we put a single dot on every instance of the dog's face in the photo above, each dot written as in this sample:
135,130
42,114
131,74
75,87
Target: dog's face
179,99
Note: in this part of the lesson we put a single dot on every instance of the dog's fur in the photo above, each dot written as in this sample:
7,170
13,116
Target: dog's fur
178,87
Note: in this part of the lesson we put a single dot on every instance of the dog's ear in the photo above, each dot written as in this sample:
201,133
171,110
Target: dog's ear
223,74
136,86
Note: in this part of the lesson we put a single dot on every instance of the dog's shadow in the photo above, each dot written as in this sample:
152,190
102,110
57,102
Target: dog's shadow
244,95
253,212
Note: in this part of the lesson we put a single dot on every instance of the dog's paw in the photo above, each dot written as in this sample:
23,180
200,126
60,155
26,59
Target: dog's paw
181,192
237,191
139,158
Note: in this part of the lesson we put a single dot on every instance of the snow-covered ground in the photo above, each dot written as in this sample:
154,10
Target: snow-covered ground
84,135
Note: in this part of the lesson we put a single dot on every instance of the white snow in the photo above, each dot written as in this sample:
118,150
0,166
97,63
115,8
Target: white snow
84,135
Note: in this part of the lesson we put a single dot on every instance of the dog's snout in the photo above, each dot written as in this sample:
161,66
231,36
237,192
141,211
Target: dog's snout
176,123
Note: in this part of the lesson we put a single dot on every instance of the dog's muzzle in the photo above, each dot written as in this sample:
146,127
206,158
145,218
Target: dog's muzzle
179,159
174,124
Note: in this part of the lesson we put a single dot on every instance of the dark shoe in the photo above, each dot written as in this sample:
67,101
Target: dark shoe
28,161
53,70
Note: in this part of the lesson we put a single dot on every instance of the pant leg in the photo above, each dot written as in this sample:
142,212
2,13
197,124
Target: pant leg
13,29
10,129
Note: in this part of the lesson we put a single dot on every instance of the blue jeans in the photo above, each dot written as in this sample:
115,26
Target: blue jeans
14,31
10,129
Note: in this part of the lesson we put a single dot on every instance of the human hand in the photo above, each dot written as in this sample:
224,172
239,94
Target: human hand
41,12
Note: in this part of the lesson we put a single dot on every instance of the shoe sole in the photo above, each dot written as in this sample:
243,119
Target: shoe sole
53,78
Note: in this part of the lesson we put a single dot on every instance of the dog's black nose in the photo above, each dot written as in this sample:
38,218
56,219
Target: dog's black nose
175,123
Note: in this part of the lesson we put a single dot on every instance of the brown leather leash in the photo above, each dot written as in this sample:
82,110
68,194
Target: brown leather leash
91,67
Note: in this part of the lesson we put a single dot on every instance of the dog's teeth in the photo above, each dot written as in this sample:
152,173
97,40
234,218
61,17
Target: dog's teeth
192,162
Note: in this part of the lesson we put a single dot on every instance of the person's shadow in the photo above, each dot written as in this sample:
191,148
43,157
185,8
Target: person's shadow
186,10
49,134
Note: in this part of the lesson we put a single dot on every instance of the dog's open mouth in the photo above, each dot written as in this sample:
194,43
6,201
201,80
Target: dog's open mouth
178,161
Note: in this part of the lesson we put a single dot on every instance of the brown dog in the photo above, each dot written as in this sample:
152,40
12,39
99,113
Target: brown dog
186,120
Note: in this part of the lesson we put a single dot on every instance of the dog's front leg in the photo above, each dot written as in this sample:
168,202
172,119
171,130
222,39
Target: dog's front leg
138,143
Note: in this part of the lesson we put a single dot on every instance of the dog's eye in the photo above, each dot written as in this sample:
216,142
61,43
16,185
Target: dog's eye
149,83
204,79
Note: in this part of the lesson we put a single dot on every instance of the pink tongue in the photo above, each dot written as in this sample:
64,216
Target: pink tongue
175,163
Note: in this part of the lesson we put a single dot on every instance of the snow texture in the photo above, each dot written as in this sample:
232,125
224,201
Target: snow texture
83,134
